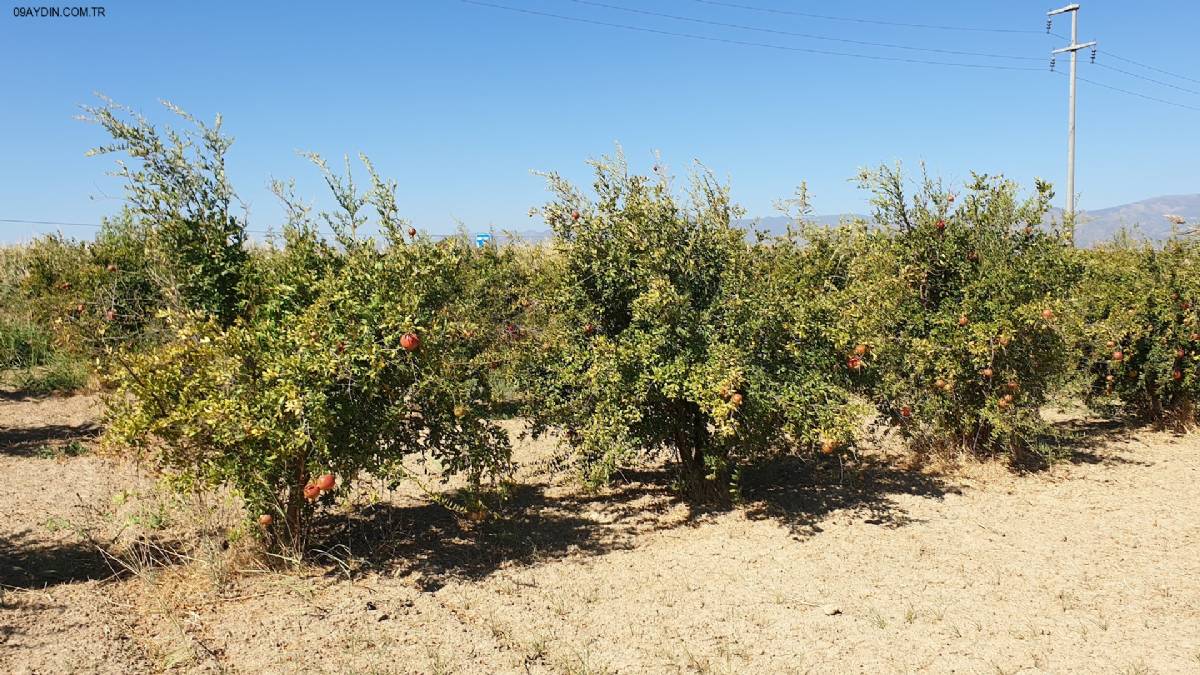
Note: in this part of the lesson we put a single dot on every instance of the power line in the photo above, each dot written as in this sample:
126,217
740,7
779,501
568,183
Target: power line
1118,57
878,22
1157,70
1148,79
1139,95
59,223
802,35
47,222
743,43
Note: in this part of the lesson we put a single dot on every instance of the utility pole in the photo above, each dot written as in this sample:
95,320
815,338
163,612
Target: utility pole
1073,49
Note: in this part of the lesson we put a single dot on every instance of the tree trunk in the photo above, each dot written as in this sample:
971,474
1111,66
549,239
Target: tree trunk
700,483
296,525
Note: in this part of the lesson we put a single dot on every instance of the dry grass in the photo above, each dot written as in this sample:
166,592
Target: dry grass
1089,566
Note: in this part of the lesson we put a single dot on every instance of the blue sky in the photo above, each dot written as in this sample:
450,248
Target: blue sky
459,102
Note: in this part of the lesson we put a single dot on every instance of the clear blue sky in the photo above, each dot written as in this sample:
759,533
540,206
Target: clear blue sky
459,102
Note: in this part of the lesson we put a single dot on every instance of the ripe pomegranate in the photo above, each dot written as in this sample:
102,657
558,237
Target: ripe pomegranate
1028,229
574,215
325,482
1118,355
410,342
79,308
1002,404
1013,386
986,372
1047,314
460,411
1195,337
265,520
311,492
860,349
1003,340
412,232
828,446
963,320
1109,378
110,315
1008,398
1177,375
736,399
1110,344
940,225
905,411
1179,353
589,329
950,198
111,267
854,362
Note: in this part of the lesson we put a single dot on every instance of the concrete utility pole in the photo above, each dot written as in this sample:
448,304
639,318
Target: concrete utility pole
1073,48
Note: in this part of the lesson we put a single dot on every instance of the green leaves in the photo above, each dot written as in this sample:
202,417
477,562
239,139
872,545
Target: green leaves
953,303
707,344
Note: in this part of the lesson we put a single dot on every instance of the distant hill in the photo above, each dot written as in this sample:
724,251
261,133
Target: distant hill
1146,219
1147,216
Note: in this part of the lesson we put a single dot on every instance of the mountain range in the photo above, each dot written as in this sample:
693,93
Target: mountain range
1146,219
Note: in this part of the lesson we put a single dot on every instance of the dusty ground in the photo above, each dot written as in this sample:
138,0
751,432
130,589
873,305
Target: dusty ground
1092,567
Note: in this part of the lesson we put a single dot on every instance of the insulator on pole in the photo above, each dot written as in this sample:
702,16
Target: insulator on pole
1048,25
1093,54
1052,63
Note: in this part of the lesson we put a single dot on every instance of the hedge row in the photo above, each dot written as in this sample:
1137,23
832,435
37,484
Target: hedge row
649,323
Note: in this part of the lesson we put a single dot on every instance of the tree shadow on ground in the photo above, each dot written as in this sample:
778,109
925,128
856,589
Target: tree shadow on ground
31,441
33,562
801,492
538,525
436,544
1086,440
12,394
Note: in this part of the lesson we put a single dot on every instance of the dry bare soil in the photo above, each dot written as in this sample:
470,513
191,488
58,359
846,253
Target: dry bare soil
1092,566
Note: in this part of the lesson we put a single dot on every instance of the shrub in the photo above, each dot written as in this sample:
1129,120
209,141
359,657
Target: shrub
60,373
1141,346
362,359
23,343
966,308
656,326
179,194
94,294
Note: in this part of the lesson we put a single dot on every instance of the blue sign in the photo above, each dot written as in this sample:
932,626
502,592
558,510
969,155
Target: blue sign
482,239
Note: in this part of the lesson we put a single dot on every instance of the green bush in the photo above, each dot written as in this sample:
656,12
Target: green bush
656,326
965,312
366,358
24,343
179,196
1141,346
61,373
